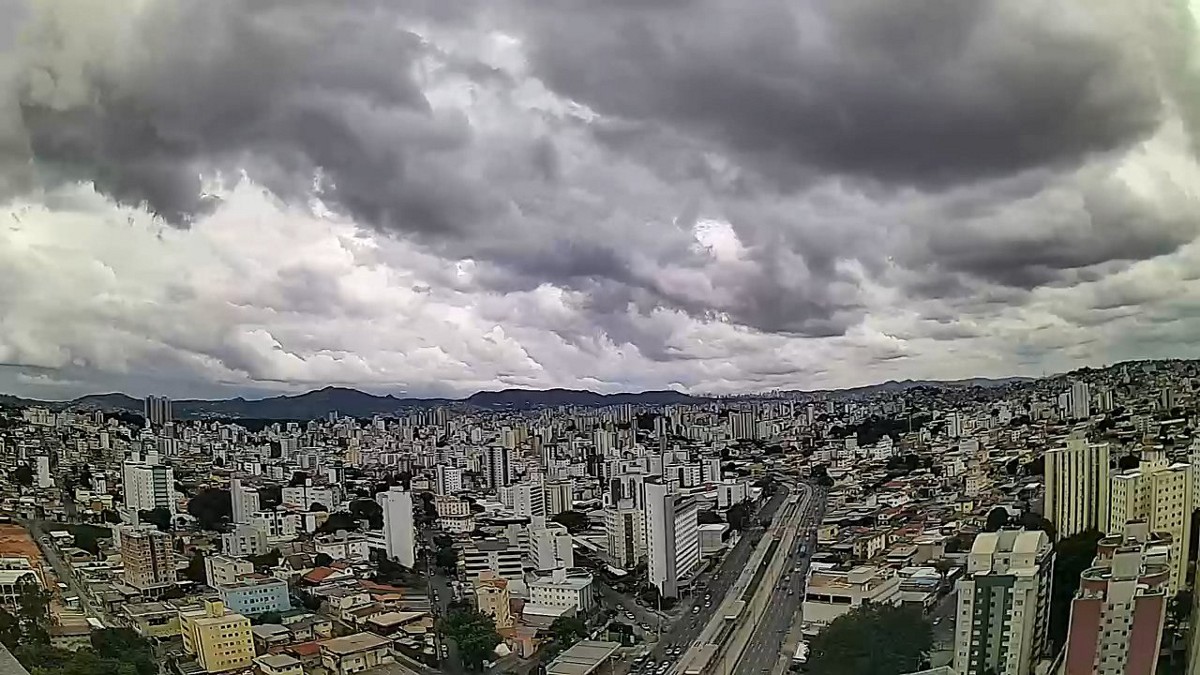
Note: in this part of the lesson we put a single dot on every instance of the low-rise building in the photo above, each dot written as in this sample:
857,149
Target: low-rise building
832,593
152,619
278,664
355,653
254,596
221,569
563,588
218,638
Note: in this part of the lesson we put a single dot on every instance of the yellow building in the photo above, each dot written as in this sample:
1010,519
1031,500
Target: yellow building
219,639
1077,485
1159,493
492,598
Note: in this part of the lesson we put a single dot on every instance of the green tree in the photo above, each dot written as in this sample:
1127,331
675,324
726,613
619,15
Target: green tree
87,537
33,611
574,521
338,521
738,516
212,509
872,640
318,506
1072,556
159,517
567,630
23,474
369,510
268,617
299,478
195,570
10,630
125,645
323,560
997,518
266,560
707,517
475,634
447,560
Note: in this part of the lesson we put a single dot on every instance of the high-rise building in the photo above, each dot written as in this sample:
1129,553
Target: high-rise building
244,500
626,534
742,425
497,466
44,479
1003,604
529,499
1118,613
493,598
148,559
149,486
560,496
549,546
1159,493
449,480
672,537
158,410
1077,487
219,639
1081,403
953,424
399,532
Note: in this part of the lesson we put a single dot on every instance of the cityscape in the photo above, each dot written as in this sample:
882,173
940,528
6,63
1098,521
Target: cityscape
1011,526
599,337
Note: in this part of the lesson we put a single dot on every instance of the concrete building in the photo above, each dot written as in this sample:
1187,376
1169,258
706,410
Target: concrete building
449,480
498,556
14,572
355,653
255,596
244,500
148,559
626,535
244,540
304,496
497,466
492,597
277,525
1003,604
158,410
278,664
149,486
529,499
672,537
560,496
1081,400
219,639
1077,487
399,530
832,593
565,589
44,479
1160,494
221,569
549,546
1118,613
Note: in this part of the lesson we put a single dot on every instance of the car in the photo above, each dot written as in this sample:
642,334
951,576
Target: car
696,609
629,615
646,626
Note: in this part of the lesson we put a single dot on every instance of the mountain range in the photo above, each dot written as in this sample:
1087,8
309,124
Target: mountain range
355,403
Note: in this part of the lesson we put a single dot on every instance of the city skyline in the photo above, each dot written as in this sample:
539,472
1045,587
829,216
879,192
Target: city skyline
519,194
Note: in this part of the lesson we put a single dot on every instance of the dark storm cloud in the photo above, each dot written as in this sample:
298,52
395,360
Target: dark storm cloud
282,89
928,91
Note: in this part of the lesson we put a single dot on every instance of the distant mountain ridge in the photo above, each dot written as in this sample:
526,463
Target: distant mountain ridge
352,402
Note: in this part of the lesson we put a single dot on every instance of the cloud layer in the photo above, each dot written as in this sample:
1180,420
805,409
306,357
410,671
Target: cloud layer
204,198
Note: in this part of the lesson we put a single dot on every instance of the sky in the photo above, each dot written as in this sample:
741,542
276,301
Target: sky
211,198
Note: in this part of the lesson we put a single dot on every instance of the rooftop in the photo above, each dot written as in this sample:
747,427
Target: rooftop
354,643
582,658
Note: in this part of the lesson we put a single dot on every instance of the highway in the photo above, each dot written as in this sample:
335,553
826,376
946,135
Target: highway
721,643
687,628
771,648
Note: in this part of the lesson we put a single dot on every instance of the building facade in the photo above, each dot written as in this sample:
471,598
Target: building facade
672,537
219,639
1077,487
148,558
255,596
1159,494
399,531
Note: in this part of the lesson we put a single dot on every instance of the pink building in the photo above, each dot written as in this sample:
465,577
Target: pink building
1117,614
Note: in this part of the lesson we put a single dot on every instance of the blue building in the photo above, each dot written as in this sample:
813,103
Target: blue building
254,596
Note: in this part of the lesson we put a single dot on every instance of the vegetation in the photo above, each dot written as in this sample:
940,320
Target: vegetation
338,521
707,517
267,617
475,634
568,630
997,519
574,521
323,560
87,537
447,560
159,517
195,569
738,516
23,474
1073,555
266,560
872,640
212,509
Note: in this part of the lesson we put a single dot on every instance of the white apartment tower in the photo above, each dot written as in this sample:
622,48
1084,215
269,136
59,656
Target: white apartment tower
1003,604
672,537
149,486
1077,487
244,500
399,532
529,499
1081,403
449,480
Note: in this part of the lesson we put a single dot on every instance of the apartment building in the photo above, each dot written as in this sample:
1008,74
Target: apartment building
1077,486
626,536
255,596
148,558
219,639
496,555
221,569
1003,604
1160,494
493,598
399,530
672,537
563,588
1118,613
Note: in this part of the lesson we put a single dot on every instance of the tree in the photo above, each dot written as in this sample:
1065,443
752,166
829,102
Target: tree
707,517
87,537
475,634
317,506
10,630
997,518
323,560
447,560
268,617
1032,521
159,517
195,570
299,478
568,630
738,516
1126,462
954,545
123,644
872,640
574,521
33,611
266,560
1072,556
110,516
211,508
23,474
338,521
369,510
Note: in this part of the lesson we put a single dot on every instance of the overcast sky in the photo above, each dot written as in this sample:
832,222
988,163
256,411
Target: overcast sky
223,197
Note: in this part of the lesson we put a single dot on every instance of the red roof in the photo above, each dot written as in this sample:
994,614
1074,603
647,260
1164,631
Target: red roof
318,574
305,648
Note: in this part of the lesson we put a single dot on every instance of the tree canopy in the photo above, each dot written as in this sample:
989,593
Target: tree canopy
872,640
369,510
1072,556
159,517
574,521
738,516
707,517
475,634
211,508
997,518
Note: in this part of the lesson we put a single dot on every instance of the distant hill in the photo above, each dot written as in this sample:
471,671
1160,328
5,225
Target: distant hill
355,403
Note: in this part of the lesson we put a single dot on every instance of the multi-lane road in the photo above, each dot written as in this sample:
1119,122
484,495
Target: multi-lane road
716,583
769,650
